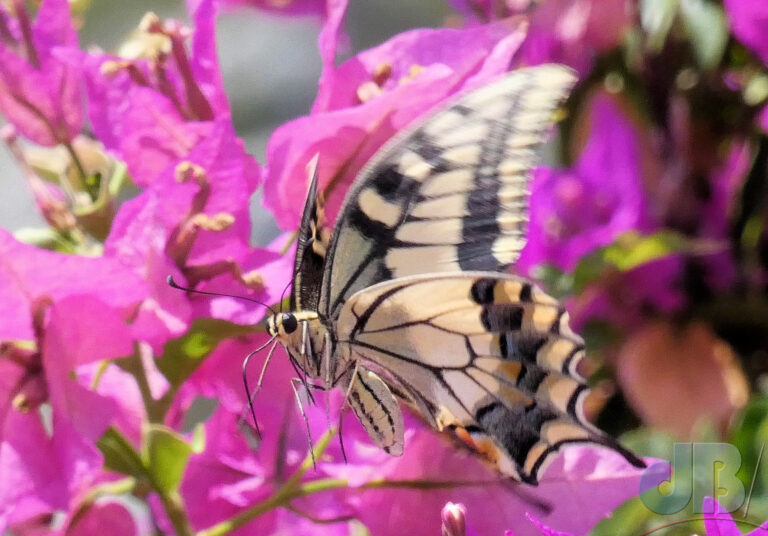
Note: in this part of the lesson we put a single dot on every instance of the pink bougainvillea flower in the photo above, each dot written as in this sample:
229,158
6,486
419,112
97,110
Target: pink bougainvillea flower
572,32
108,517
581,486
263,274
624,298
199,203
748,21
577,210
454,521
192,222
154,108
717,523
39,93
720,523
230,474
47,461
726,182
29,274
542,528
365,100
104,515
55,305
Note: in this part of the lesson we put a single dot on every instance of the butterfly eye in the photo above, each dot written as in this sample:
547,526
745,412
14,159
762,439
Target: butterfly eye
289,323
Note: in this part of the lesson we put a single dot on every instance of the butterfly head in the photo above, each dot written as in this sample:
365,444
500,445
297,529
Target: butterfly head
303,336
282,325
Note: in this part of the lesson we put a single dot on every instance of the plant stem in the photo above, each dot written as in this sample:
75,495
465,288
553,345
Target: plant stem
76,160
288,491
134,463
174,507
293,489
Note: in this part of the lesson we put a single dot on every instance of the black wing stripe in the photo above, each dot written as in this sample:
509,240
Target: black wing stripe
480,150
310,257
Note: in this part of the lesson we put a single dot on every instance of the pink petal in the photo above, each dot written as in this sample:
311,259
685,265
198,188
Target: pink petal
33,482
748,22
53,25
140,125
204,61
347,132
719,522
29,273
546,531
103,518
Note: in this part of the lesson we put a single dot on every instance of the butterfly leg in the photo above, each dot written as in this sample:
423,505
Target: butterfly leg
377,410
294,383
325,369
252,396
341,409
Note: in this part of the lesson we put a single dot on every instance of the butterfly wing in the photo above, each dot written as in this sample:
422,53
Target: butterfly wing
490,356
450,194
311,247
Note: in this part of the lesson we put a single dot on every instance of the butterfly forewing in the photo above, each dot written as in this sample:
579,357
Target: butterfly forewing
311,246
492,354
450,194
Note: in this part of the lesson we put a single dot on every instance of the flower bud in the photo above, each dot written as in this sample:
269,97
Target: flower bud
454,519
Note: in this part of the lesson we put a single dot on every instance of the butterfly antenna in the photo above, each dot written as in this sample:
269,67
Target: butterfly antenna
282,294
175,285
261,379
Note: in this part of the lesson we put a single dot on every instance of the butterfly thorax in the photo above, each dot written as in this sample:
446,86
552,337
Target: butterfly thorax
305,338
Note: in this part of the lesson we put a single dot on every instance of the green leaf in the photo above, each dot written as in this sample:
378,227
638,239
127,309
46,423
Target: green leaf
631,250
198,439
45,238
183,355
557,283
707,28
750,436
627,252
119,454
165,455
590,268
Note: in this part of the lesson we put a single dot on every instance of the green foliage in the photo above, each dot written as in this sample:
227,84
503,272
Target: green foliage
166,454
183,355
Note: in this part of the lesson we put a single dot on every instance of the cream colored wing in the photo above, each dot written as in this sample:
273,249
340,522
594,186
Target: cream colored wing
488,355
449,194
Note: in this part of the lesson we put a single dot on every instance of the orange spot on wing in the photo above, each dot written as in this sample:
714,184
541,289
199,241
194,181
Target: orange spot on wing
487,448
462,434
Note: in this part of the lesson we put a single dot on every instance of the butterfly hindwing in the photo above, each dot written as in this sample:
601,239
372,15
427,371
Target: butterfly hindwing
450,194
492,355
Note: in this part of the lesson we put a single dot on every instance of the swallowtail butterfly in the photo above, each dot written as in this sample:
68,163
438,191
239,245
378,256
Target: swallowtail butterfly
409,297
